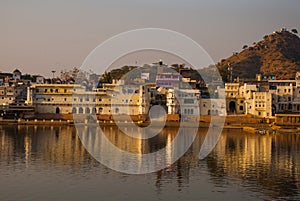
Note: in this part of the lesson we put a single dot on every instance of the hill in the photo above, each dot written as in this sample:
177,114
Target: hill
277,54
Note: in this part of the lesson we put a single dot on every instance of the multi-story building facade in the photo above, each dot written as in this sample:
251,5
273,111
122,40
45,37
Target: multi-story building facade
234,99
183,101
280,96
168,80
10,94
74,99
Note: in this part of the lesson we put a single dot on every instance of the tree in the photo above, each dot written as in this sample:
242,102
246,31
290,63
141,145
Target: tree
295,31
107,77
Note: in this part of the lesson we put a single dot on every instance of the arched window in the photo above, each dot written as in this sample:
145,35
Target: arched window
94,110
87,110
80,110
100,110
57,111
74,110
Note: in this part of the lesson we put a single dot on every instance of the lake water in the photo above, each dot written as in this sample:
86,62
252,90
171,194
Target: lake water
50,163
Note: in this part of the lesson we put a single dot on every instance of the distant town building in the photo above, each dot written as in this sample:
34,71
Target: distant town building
40,80
168,80
17,74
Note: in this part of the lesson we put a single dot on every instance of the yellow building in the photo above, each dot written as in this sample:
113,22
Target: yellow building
75,99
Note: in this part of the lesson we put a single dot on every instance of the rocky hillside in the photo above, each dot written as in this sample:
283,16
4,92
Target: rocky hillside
277,54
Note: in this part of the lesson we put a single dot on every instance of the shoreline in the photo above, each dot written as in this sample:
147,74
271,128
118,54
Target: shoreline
261,128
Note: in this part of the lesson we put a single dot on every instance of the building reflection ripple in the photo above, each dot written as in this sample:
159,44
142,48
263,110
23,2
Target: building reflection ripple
267,166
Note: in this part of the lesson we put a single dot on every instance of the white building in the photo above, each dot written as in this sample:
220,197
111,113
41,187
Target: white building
17,74
183,101
74,99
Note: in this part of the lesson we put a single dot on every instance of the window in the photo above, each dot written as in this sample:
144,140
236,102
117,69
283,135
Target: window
65,99
56,90
74,110
65,90
242,107
188,101
46,90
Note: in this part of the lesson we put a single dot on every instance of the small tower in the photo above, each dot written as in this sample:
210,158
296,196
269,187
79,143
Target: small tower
17,74
160,67
229,68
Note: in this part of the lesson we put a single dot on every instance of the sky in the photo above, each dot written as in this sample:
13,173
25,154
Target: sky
40,36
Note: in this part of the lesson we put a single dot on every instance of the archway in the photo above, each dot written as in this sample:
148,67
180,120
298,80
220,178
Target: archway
232,107
74,110
87,110
57,111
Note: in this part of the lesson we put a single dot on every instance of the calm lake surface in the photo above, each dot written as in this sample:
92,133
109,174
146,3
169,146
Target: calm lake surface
50,163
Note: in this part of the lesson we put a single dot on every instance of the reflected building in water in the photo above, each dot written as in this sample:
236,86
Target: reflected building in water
264,163
59,145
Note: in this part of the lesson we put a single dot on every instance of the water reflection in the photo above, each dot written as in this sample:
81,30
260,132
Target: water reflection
123,153
258,167
24,144
268,163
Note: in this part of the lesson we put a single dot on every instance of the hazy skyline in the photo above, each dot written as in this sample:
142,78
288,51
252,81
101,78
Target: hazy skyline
37,37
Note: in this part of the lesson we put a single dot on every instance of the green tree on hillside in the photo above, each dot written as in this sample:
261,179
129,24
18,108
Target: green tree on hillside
295,31
106,77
